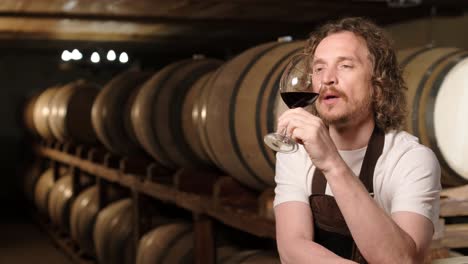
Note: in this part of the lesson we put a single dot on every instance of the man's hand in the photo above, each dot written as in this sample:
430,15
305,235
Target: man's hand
310,131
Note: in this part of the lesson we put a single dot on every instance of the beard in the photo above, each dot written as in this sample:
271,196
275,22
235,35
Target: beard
352,113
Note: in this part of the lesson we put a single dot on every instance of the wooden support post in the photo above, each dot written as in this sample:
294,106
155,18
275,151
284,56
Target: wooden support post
79,181
56,169
157,173
82,151
68,148
137,215
134,165
204,244
96,155
56,145
229,192
192,181
265,204
77,186
102,186
52,144
53,163
111,161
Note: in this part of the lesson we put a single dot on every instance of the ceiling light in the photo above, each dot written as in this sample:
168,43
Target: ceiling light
66,55
111,56
123,58
95,57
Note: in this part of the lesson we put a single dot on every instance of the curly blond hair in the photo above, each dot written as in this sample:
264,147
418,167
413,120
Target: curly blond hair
388,102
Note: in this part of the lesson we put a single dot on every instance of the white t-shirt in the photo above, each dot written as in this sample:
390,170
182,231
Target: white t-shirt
406,176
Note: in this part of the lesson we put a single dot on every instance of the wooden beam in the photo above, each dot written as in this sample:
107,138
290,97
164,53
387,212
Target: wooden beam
456,236
454,201
240,217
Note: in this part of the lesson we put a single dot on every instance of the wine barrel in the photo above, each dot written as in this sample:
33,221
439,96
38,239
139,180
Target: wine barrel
171,243
193,118
83,216
28,115
240,104
42,191
30,178
60,199
113,234
110,114
162,112
70,115
42,112
253,257
437,105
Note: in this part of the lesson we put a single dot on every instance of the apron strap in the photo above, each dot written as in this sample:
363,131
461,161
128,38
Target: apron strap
366,175
373,152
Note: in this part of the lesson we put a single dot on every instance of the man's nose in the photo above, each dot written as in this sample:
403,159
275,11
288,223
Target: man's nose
329,76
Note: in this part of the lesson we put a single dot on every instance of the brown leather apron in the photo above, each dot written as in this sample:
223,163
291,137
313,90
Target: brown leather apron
330,229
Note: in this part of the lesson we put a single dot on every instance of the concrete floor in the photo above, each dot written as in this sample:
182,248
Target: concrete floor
22,241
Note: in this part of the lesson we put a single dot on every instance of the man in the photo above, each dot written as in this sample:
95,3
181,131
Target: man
358,189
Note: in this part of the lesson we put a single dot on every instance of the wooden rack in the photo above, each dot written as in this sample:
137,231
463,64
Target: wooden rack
208,195
454,204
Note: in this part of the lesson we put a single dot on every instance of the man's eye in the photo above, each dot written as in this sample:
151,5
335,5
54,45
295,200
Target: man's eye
346,66
318,69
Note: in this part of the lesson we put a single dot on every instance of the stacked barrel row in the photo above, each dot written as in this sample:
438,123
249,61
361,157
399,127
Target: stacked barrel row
194,113
108,234
202,112
63,113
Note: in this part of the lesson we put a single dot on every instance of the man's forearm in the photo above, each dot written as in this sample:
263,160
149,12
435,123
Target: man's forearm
368,223
301,251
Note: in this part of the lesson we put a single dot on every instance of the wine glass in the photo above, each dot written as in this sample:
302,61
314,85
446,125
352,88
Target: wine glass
295,88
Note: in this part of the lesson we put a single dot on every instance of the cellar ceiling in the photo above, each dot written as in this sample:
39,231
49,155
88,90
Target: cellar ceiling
172,23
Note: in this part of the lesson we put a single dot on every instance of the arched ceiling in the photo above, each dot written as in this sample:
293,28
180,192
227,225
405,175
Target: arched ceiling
172,23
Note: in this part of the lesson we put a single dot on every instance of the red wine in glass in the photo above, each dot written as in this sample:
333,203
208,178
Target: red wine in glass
299,99
296,91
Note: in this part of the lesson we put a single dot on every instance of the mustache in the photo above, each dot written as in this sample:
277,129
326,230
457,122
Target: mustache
332,89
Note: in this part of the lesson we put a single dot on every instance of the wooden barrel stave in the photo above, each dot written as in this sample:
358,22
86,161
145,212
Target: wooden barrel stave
113,233
450,108
59,202
42,191
192,118
78,122
28,114
42,111
57,113
70,117
157,113
202,108
417,66
243,88
109,113
168,111
424,70
83,216
30,178
170,243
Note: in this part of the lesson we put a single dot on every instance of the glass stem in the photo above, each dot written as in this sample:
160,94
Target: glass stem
283,135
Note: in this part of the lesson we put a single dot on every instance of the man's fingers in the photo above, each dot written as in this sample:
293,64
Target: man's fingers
297,113
289,126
